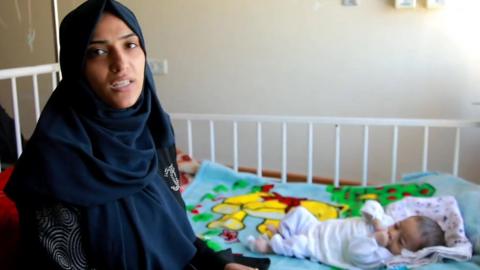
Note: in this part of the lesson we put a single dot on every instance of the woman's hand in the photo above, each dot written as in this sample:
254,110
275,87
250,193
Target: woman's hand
236,266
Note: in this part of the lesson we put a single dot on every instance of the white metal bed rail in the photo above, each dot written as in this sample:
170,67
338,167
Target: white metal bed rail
12,74
337,122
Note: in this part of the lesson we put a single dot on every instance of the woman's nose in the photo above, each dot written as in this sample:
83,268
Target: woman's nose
118,61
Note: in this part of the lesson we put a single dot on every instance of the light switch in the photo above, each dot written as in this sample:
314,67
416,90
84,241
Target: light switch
158,67
436,3
405,3
350,2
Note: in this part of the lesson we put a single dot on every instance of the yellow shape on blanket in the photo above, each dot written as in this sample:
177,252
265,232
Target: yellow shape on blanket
225,209
263,228
267,213
322,211
271,209
232,222
369,196
267,207
271,204
247,198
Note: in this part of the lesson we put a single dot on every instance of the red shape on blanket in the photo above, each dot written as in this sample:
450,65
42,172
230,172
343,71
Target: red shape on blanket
267,188
230,236
425,191
289,201
9,227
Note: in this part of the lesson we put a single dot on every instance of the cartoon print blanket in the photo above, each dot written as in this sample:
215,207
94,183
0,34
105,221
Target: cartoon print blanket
225,207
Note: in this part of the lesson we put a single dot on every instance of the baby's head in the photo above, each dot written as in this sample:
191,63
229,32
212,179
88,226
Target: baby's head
414,233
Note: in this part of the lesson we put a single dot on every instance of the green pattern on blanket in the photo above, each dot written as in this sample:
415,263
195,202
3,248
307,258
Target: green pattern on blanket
354,196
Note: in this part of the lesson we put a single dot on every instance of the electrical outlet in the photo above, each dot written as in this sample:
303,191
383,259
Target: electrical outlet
350,2
405,3
436,3
158,67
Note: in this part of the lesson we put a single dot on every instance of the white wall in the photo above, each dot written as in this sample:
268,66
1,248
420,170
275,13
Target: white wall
371,60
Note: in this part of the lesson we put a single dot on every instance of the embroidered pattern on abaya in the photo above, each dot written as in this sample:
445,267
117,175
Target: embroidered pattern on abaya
60,235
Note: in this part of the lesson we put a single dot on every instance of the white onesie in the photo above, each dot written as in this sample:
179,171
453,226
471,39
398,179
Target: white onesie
346,243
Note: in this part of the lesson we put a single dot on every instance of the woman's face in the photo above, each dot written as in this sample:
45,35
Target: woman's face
115,63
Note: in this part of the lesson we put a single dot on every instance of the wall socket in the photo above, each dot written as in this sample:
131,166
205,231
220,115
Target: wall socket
436,3
350,2
405,3
158,67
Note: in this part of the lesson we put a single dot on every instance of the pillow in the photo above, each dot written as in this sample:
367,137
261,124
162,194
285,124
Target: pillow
446,212
188,167
468,203
465,192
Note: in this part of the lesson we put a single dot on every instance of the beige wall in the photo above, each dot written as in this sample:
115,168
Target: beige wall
17,28
371,60
26,32
297,57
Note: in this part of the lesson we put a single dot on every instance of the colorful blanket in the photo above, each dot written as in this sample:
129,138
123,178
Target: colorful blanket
225,207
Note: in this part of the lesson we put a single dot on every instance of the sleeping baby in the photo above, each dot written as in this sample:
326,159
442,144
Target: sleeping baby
359,242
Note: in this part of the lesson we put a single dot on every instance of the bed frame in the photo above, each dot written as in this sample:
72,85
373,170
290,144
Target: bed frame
186,126
13,74
337,124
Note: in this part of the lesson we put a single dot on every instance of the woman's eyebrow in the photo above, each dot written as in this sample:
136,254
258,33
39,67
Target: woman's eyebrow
100,41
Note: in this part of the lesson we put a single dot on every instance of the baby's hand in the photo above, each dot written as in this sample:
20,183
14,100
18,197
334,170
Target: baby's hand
381,237
378,225
368,217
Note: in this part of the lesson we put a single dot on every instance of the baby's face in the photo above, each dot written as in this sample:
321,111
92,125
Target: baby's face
404,235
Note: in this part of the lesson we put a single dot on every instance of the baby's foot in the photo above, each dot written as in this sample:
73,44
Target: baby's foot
259,244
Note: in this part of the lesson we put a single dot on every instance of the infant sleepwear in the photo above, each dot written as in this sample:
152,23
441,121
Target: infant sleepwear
346,243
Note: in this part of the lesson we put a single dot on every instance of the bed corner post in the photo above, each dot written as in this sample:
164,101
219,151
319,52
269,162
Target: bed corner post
56,29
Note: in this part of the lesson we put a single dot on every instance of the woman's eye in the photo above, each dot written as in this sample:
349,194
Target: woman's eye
96,52
132,45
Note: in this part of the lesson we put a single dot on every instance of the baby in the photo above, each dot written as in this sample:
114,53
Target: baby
359,242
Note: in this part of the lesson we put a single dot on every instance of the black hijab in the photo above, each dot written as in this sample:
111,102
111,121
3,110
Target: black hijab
105,160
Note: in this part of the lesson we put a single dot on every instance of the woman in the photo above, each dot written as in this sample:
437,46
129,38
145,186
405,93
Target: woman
97,186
